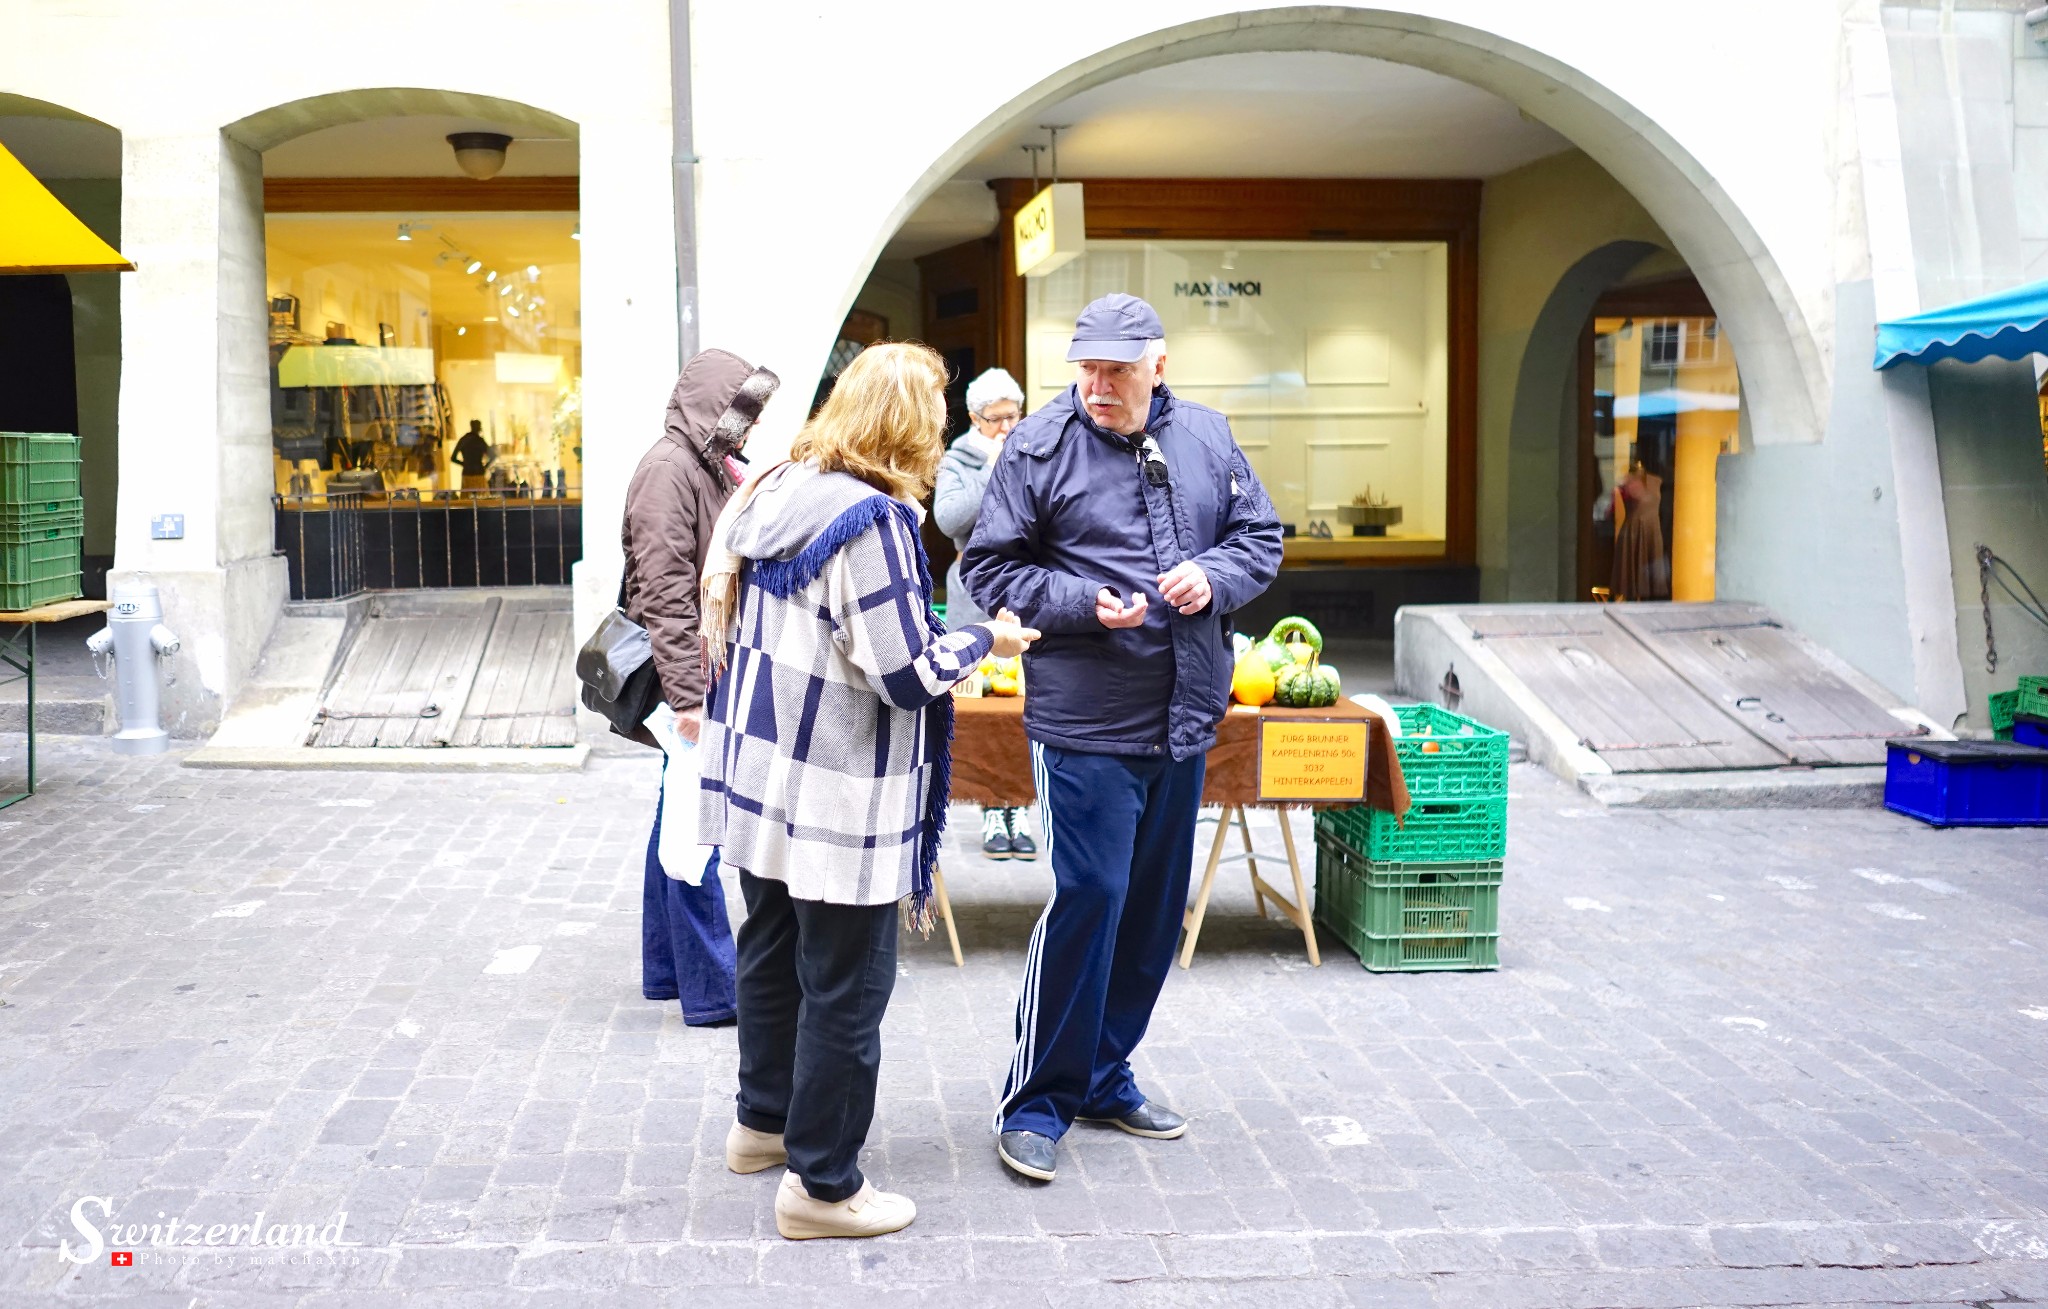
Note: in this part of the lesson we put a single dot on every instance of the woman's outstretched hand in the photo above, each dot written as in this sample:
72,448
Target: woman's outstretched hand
1012,637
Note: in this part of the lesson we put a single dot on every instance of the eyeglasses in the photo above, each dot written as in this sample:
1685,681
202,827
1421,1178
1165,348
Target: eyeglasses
1001,420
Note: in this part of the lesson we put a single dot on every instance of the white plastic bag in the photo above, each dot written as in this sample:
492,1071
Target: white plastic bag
681,857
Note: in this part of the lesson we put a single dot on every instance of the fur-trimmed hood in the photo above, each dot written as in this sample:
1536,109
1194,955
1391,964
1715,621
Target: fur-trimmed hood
717,401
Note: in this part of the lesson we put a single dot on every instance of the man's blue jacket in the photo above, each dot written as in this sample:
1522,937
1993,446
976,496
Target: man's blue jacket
1069,511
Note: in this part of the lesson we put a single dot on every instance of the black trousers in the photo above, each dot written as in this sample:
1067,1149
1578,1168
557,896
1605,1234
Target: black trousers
814,981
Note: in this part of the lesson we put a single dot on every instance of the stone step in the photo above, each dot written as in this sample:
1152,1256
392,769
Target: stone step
65,706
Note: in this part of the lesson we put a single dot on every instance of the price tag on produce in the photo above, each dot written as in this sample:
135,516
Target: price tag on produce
1312,761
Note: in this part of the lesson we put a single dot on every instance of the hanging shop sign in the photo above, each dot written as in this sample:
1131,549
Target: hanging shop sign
1050,229
1308,761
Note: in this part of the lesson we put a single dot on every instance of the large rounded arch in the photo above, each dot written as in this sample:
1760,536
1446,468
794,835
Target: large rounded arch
1783,377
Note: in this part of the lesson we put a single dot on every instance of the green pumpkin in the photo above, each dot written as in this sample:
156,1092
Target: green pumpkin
1294,686
1296,629
1326,688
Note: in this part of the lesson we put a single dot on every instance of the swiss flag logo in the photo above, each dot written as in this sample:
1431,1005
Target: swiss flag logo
122,1258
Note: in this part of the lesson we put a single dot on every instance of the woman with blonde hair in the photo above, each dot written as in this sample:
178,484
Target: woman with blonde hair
826,754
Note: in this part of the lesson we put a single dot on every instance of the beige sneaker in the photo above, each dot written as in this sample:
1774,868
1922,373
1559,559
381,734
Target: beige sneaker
868,1213
749,1151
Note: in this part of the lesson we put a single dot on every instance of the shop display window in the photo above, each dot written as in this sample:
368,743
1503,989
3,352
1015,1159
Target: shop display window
1331,360
427,355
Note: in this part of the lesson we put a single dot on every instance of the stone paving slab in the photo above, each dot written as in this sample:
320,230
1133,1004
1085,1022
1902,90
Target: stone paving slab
1731,1058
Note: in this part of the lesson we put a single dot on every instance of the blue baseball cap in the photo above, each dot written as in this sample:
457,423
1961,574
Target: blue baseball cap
1115,328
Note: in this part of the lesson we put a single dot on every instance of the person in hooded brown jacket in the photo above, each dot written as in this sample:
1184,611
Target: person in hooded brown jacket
686,944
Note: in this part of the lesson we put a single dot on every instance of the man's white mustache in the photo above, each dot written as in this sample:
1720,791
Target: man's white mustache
1103,400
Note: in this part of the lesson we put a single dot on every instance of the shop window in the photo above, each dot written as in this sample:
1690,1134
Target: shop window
442,353
1666,400
1331,360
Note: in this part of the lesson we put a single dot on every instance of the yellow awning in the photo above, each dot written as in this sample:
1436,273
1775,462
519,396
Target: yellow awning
39,235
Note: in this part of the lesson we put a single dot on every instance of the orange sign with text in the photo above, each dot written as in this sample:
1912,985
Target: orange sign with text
1309,762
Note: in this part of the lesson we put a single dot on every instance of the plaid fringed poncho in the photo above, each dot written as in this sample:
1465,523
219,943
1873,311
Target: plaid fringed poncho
827,739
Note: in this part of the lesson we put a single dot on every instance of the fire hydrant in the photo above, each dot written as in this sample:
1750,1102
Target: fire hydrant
136,640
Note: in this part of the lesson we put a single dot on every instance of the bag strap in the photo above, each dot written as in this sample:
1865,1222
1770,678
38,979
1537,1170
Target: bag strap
625,568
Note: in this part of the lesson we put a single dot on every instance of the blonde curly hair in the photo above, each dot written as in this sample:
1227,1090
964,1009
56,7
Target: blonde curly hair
884,422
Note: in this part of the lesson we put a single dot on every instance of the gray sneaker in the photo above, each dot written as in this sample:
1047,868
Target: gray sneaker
1155,1121
1027,1153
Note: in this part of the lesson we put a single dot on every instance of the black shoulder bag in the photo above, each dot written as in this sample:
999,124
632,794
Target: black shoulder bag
616,667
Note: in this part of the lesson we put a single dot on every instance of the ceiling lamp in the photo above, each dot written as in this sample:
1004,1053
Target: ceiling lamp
474,264
577,234
512,310
505,290
532,273
462,331
490,277
479,154
405,231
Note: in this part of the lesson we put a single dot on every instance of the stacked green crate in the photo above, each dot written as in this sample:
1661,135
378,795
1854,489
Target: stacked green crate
1423,893
2028,700
42,519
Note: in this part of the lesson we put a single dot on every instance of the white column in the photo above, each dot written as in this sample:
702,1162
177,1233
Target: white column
194,406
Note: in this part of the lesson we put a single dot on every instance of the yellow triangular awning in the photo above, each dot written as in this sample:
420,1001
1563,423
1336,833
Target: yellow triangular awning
39,235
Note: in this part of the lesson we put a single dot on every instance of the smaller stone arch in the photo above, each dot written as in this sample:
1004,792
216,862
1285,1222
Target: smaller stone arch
1543,469
280,123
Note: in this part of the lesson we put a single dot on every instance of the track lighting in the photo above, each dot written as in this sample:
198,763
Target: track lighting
490,277
474,264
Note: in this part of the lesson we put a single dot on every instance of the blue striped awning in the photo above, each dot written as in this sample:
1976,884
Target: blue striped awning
2009,325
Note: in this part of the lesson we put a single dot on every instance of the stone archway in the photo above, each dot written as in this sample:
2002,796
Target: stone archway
280,123
1783,377
1542,446
195,403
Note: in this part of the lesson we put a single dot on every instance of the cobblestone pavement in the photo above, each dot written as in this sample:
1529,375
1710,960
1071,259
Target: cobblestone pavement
1730,1059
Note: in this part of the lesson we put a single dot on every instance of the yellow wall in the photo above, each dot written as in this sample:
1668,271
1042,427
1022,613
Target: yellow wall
1535,224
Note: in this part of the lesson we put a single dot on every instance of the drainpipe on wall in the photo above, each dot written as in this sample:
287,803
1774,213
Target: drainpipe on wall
685,164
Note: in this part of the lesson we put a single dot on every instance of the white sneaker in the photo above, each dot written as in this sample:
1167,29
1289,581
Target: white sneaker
867,1212
749,1151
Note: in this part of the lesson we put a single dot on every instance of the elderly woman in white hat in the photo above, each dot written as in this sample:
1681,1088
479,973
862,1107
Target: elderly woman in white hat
995,404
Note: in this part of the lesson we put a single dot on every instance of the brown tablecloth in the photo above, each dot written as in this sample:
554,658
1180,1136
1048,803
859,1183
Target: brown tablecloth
992,760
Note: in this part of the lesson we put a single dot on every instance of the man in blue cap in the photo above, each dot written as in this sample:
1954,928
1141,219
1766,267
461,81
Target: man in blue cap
1126,525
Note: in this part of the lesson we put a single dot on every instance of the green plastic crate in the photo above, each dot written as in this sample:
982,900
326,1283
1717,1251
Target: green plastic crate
1434,831
1404,918
2033,697
39,572
2004,705
1447,756
20,525
37,466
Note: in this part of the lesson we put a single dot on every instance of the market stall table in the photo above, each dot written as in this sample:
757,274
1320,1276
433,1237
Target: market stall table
992,767
18,652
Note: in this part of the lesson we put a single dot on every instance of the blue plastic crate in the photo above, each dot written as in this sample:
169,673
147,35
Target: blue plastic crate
1968,783
2032,731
